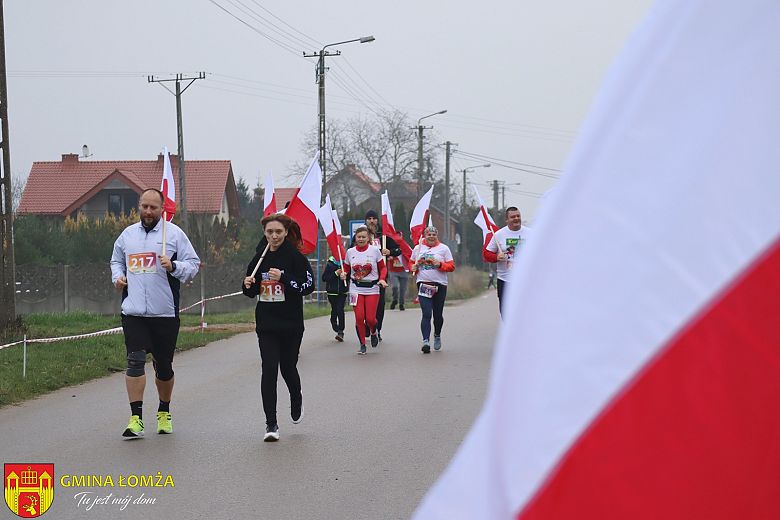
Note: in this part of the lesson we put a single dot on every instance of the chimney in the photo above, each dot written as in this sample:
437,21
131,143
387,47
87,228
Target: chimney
70,158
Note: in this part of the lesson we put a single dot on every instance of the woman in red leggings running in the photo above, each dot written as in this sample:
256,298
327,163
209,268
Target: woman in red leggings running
366,267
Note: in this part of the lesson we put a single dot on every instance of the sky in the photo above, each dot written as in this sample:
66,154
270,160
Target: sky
516,78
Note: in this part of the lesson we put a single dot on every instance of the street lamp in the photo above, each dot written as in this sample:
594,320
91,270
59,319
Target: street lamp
319,71
420,150
464,226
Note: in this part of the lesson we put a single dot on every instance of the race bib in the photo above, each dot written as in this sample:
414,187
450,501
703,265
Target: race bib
142,263
353,298
427,290
271,290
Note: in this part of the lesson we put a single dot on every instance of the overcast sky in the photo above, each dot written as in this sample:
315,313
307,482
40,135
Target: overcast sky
516,77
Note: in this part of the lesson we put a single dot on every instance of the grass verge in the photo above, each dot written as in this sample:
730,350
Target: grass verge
51,366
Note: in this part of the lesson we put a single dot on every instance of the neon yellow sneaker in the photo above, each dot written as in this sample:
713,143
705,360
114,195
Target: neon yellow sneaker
135,428
164,422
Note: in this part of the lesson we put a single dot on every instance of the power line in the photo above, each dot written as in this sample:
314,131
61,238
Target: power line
487,157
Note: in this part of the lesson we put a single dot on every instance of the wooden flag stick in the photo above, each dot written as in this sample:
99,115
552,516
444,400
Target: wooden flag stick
254,272
341,260
165,230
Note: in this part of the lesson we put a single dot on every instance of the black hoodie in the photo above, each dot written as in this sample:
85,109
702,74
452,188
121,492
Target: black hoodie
297,281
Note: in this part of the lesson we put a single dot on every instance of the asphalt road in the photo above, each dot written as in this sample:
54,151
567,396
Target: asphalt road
378,429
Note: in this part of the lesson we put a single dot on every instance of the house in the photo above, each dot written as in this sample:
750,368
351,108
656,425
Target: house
353,192
93,188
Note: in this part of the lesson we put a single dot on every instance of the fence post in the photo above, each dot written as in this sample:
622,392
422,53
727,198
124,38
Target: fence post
202,296
24,358
66,286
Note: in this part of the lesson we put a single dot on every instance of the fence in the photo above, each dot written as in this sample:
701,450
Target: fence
88,287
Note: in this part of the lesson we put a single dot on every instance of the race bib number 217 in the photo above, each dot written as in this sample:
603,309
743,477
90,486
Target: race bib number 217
142,263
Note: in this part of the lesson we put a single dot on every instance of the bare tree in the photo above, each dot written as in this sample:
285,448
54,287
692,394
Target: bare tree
17,188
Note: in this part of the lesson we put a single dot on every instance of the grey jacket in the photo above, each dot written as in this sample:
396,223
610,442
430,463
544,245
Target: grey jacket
151,291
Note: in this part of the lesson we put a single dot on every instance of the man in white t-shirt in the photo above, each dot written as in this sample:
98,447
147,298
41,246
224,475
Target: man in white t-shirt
504,248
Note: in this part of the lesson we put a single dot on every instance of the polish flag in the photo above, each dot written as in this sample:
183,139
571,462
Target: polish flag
269,196
305,205
420,216
332,234
388,229
484,221
168,188
637,371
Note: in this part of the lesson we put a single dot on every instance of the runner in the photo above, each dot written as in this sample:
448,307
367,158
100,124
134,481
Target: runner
511,239
432,261
150,285
390,250
367,267
337,290
285,278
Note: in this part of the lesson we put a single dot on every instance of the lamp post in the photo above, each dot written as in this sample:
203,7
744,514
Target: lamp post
464,226
319,71
420,129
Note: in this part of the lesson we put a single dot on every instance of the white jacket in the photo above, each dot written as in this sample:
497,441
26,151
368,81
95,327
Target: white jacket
151,291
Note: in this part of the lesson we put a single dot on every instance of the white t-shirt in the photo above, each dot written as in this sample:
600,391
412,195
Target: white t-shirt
363,267
511,243
426,272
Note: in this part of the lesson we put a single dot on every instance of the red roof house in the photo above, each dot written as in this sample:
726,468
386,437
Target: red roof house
71,187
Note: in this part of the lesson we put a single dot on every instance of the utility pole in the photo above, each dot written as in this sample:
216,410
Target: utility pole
420,128
495,197
448,144
503,196
7,276
179,91
319,73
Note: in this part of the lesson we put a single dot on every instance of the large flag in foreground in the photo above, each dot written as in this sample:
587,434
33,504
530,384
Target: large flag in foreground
269,196
420,216
484,221
637,372
168,187
305,204
332,234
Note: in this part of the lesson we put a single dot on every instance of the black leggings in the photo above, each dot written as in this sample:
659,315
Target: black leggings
279,352
500,291
432,306
337,311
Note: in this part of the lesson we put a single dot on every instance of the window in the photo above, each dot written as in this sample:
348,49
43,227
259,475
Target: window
115,204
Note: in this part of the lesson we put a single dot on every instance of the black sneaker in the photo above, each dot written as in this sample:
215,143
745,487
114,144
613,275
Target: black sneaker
374,340
426,348
362,350
392,305
271,433
340,335
296,411
401,307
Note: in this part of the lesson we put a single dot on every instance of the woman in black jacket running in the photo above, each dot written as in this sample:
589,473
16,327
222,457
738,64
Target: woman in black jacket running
283,277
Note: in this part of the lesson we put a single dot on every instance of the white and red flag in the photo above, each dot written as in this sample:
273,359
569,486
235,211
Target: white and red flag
637,371
305,205
484,221
388,229
269,196
332,234
168,188
420,216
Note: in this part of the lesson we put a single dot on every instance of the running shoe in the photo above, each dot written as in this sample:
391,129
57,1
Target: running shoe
374,340
426,348
135,428
392,305
362,349
401,307
437,343
296,412
340,335
164,422
271,433
379,335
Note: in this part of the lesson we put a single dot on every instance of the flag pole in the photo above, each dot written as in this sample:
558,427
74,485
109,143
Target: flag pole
341,261
254,272
165,229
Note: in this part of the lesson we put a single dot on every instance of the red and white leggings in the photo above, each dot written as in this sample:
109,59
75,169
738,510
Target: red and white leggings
365,315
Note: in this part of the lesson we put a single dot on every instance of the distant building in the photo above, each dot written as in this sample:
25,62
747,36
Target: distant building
70,187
